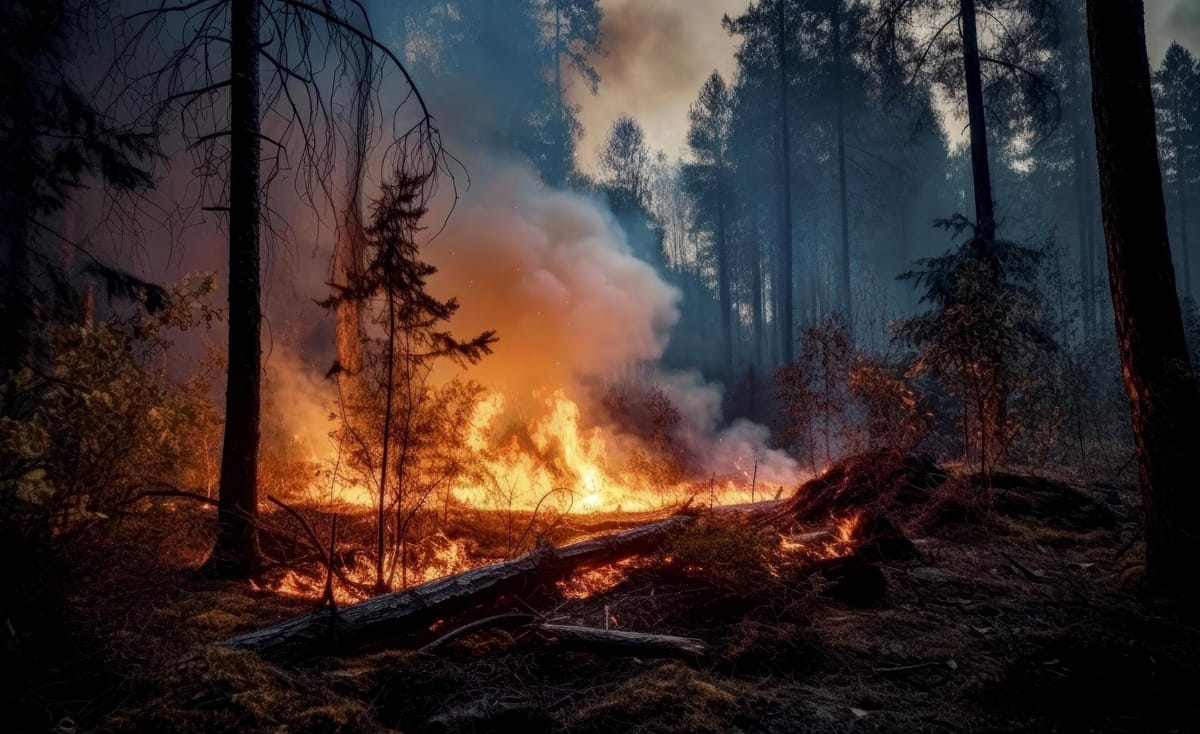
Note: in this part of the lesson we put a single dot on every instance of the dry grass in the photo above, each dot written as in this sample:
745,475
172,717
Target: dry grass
1010,618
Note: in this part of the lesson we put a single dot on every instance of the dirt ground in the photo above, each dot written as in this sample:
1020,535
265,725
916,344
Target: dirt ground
1014,608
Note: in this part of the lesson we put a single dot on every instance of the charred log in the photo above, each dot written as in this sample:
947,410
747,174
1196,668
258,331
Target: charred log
391,616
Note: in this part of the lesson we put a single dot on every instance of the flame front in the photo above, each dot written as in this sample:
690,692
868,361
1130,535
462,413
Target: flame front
568,466
553,460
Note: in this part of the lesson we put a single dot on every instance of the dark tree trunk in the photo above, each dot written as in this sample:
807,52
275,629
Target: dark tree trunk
347,267
1158,376
723,276
985,217
1093,256
1181,201
349,252
18,305
17,317
759,305
1083,210
236,552
388,401
845,295
558,172
785,277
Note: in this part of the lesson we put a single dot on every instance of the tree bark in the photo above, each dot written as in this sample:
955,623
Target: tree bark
1181,200
1158,375
985,217
845,295
1083,212
785,278
723,275
559,173
759,305
236,552
412,610
349,251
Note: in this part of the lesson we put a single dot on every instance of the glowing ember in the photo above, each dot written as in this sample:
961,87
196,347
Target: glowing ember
847,527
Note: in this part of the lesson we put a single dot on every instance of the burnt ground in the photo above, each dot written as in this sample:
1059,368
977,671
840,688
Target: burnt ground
1014,608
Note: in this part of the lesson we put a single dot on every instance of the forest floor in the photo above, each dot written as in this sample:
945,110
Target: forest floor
1016,612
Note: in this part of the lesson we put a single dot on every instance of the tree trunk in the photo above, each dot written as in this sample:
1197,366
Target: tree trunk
723,276
18,315
759,305
1157,372
389,395
845,296
1083,212
985,217
411,611
236,552
785,278
559,174
1093,256
349,251
347,266
1181,201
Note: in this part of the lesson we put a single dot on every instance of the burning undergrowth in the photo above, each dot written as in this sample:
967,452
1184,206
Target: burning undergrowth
567,413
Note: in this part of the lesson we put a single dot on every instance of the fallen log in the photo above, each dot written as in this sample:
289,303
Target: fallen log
390,616
624,642
585,639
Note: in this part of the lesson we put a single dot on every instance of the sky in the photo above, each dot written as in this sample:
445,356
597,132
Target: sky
659,52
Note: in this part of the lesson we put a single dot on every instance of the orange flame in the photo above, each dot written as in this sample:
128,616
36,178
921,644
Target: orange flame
563,465
587,473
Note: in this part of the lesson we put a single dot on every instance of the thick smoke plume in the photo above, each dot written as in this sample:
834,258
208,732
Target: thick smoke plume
551,273
574,308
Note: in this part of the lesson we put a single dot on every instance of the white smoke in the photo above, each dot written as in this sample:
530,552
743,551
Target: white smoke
741,448
551,272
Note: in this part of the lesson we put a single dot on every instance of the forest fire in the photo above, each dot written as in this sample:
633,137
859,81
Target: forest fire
556,462
568,409
576,469
580,365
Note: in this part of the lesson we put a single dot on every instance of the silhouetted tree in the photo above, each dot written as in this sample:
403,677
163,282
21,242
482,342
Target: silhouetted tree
53,141
210,71
1177,83
708,179
1157,371
768,28
624,163
1012,90
571,29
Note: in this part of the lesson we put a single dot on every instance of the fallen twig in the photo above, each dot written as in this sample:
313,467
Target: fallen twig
485,623
1029,575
